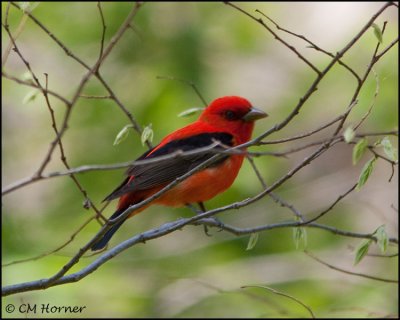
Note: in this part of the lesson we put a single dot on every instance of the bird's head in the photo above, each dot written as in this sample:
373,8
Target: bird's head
233,114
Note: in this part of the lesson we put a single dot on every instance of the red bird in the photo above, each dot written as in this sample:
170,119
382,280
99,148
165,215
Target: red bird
228,121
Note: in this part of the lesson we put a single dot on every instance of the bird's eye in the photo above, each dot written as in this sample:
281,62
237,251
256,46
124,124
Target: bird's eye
230,115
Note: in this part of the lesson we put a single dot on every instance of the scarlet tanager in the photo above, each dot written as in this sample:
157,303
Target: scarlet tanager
227,121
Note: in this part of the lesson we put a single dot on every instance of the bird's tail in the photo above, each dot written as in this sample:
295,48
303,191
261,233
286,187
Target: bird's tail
100,244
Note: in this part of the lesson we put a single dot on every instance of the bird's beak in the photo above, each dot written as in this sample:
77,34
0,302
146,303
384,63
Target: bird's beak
254,114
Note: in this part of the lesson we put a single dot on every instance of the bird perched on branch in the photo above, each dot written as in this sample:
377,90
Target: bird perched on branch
226,122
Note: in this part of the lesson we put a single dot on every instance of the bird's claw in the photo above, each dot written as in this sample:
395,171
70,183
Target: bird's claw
218,224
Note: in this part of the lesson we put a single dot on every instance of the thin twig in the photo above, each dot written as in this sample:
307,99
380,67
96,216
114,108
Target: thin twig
284,295
19,30
349,272
40,256
189,83
307,134
275,197
94,97
342,196
384,51
366,115
6,17
103,33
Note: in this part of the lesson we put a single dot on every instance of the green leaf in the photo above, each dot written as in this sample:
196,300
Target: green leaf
190,112
300,237
24,5
359,150
349,134
30,96
27,6
147,134
388,149
382,238
362,250
377,32
27,76
252,241
365,173
122,135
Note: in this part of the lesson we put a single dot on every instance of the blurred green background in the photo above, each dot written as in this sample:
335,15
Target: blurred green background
187,274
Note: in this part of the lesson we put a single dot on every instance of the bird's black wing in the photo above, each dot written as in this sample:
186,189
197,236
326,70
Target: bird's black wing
159,173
